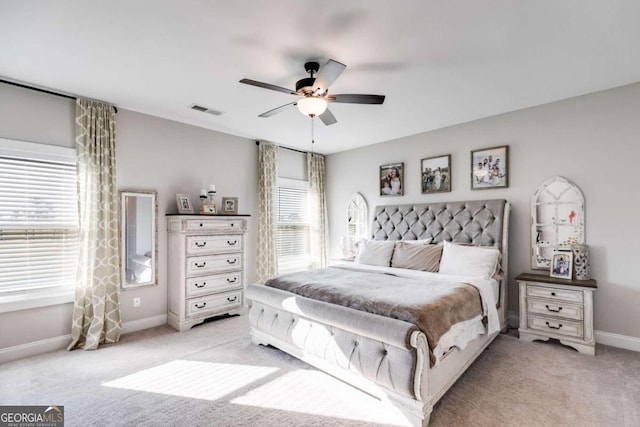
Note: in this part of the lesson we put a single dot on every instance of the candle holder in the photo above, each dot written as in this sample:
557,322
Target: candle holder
207,203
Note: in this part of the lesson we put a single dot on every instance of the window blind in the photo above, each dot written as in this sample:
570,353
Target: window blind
38,223
292,233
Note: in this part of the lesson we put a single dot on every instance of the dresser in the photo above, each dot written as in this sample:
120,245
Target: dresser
206,267
557,308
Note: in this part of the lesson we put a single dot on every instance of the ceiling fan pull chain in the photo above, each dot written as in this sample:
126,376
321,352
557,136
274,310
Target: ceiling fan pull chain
313,141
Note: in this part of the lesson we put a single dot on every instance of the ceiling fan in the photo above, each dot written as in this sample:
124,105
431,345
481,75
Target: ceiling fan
314,92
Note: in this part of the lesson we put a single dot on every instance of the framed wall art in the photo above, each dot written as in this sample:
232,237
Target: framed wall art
436,174
392,179
490,168
184,204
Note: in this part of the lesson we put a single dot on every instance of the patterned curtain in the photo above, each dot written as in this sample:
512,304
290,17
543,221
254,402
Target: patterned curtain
96,313
267,176
318,237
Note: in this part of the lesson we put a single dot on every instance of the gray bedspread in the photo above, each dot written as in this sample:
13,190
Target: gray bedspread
432,305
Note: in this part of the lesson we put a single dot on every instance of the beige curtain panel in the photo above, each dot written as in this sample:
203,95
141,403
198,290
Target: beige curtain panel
267,257
318,236
96,313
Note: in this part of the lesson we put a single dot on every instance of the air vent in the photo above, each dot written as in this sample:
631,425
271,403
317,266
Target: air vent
205,110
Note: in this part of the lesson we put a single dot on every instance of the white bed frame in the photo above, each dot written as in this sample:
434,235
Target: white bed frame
287,322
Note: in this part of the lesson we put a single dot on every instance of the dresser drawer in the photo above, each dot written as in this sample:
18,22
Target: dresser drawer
555,308
554,293
199,265
207,244
198,307
216,283
556,326
216,224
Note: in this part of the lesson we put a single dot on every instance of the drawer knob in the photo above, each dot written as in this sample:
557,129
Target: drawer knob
232,261
232,224
201,245
203,305
230,243
234,280
232,299
553,294
200,265
554,327
201,285
200,224
554,311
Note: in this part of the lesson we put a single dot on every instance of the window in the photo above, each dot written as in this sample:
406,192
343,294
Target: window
38,217
292,229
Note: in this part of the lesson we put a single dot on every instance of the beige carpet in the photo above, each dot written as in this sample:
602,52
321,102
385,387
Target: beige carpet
213,376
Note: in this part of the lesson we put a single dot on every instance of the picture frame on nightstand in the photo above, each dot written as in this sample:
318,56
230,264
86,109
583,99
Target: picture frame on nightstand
561,265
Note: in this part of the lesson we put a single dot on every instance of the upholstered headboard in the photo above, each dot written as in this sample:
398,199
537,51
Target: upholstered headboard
477,222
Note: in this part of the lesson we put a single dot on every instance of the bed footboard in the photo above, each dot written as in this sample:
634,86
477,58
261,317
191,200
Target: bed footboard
385,357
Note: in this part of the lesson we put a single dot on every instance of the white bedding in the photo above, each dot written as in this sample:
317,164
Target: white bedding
461,333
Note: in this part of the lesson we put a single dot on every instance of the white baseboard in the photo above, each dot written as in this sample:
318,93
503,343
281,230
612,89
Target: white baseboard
604,338
146,323
616,340
33,348
59,343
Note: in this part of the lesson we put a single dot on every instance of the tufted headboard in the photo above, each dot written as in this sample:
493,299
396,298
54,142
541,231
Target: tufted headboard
477,222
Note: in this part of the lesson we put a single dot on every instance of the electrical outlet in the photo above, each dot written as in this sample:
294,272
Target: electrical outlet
136,302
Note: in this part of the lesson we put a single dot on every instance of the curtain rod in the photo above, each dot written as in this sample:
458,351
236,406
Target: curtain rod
287,148
37,89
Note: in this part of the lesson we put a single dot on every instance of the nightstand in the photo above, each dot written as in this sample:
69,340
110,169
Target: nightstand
557,308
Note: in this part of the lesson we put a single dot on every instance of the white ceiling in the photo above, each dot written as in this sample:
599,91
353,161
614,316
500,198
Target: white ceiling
438,62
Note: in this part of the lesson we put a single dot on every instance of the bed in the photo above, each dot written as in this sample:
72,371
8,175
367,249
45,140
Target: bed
337,319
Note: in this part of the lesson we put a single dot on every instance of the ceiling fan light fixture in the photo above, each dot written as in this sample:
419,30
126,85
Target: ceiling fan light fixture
312,106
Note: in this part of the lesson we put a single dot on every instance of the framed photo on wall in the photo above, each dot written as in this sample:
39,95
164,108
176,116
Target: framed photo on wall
561,264
184,204
230,205
392,179
490,168
436,174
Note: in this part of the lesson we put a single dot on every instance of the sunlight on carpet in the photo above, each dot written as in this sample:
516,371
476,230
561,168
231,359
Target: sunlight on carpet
197,380
316,393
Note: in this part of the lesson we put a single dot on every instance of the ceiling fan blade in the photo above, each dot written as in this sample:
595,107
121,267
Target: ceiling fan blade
267,86
357,99
327,118
327,75
277,110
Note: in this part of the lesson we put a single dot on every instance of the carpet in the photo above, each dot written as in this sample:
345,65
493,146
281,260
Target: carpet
213,375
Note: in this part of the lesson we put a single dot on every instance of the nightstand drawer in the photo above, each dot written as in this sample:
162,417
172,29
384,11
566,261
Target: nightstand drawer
216,224
554,293
555,308
217,283
213,303
556,326
213,263
207,244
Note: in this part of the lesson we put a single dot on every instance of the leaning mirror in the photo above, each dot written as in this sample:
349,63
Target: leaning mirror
138,235
357,218
557,220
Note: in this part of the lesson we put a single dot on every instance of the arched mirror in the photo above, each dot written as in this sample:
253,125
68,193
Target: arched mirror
138,236
557,219
357,224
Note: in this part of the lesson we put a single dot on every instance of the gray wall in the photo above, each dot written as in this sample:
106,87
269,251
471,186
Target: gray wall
152,154
592,140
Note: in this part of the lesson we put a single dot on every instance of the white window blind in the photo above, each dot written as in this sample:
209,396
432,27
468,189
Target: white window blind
38,217
292,233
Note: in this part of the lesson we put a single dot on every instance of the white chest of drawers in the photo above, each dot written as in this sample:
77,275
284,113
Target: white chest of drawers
206,267
557,308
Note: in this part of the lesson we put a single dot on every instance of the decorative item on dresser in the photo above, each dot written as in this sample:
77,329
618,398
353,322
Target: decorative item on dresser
206,272
557,308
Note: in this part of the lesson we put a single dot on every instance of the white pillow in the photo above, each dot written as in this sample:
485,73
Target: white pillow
375,252
477,261
418,242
